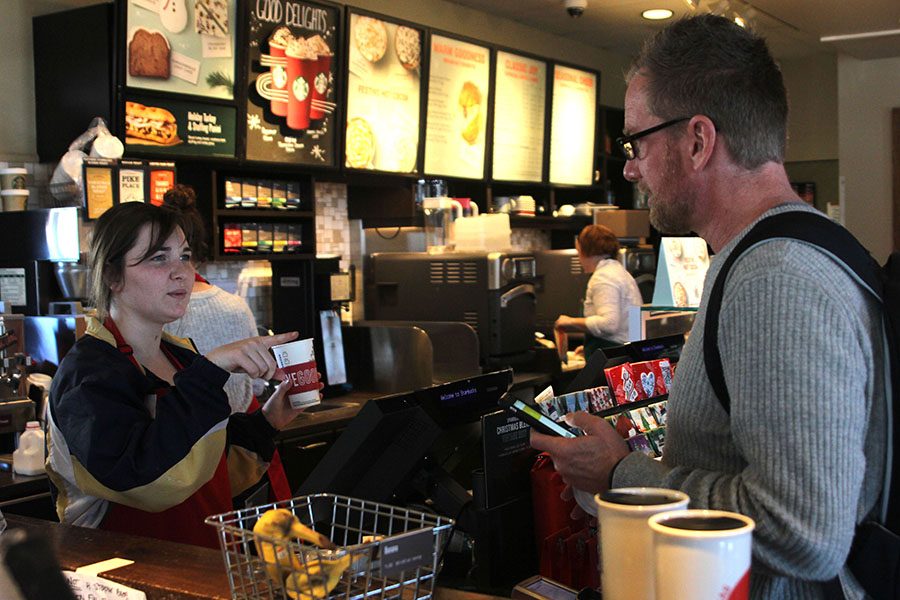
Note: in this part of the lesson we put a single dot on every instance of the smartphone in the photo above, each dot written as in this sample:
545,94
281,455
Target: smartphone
536,418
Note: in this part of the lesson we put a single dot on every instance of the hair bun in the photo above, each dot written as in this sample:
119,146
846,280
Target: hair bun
181,197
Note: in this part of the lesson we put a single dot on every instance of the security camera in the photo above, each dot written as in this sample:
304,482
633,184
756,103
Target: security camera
575,8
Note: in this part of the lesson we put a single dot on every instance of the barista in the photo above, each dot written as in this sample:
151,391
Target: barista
611,291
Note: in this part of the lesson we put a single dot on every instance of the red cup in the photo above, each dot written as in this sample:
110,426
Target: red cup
300,74
320,85
279,80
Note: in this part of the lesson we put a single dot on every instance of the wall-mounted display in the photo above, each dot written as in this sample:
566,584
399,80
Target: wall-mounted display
291,98
383,91
179,128
520,96
458,89
182,46
573,126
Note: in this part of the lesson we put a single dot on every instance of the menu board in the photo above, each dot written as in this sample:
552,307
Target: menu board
291,96
520,86
179,128
572,126
458,86
383,90
183,46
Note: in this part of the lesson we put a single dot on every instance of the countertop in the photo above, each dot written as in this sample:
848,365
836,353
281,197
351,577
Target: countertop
163,570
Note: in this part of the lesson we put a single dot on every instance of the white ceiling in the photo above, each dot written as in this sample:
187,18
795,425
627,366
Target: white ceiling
792,27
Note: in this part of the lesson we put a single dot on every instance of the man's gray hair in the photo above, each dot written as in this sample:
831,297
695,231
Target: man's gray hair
707,65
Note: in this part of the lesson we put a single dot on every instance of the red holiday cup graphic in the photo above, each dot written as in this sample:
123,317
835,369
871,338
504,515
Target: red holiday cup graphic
279,80
320,86
298,361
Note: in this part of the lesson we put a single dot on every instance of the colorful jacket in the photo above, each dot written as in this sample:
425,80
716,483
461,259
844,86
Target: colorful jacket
118,437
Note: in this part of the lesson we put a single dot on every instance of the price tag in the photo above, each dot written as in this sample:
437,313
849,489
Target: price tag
407,552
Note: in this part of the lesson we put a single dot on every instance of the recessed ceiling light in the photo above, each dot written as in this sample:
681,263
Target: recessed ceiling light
657,14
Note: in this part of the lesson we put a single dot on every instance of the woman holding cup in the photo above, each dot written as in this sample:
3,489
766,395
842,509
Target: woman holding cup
141,435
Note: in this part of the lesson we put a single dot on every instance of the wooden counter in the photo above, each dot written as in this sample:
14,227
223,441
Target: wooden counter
163,570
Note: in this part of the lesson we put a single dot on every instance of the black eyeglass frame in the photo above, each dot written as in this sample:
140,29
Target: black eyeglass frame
624,143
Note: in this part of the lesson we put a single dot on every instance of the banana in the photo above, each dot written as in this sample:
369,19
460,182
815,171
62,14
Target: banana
318,579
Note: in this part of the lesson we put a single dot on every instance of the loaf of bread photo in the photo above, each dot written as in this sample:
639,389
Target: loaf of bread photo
148,54
150,123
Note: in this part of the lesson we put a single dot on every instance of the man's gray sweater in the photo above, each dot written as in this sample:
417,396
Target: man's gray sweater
802,451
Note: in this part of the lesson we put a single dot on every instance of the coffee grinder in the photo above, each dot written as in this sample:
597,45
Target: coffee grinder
15,409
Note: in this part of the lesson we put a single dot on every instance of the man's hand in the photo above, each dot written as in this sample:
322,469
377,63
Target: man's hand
584,462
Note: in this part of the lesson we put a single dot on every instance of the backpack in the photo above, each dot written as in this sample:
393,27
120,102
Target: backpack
875,554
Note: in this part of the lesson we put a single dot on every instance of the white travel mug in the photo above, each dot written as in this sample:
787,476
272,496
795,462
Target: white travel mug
702,554
626,542
298,361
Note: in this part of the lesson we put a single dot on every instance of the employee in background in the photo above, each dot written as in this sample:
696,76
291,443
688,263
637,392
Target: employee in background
214,318
141,436
611,291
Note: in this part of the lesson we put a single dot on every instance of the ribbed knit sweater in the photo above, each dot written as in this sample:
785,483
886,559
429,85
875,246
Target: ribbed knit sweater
215,318
802,451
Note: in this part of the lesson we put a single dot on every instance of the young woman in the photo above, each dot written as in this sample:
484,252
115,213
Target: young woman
141,436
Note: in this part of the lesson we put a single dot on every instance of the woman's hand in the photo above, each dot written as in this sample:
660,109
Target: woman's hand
278,410
251,356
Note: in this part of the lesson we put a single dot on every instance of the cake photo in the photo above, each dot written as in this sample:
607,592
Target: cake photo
148,54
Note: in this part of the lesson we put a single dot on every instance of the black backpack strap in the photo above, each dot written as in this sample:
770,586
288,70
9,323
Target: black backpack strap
805,226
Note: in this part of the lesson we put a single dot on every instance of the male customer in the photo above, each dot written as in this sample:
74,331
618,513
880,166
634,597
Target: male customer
802,449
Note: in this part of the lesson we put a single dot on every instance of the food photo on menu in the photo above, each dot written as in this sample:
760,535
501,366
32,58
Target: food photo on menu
182,46
383,95
291,94
150,125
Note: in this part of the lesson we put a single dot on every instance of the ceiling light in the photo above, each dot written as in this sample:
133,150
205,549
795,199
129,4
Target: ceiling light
657,14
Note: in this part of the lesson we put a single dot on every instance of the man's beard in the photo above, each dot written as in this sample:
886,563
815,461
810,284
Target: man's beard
670,206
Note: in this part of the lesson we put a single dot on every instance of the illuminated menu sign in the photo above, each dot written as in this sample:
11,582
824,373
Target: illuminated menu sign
572,126
520,97
458,85
383,88
182,46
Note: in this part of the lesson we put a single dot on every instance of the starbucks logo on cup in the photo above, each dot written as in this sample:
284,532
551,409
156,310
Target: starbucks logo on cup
300,89
321,83
279,76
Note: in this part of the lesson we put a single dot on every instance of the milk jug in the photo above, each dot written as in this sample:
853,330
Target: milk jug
28,458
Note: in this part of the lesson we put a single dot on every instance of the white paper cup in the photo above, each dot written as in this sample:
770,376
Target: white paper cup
702,554
626,541
14,200
13,178
298,361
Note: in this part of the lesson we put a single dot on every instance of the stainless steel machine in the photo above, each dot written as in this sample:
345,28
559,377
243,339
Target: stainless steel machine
493,292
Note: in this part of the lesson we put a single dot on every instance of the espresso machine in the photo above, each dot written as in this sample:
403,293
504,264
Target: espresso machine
15,409
493,292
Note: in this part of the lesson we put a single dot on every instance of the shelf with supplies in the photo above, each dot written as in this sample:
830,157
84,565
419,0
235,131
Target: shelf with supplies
257,213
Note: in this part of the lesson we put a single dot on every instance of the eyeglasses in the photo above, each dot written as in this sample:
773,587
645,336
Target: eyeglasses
626,143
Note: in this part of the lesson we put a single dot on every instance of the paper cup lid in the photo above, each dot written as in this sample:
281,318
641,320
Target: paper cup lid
14,171
14,192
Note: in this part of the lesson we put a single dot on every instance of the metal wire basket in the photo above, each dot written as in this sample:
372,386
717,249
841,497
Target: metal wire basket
382,551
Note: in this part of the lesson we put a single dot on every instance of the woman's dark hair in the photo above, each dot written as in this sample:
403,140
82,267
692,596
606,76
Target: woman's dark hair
115,234
598,240
183,198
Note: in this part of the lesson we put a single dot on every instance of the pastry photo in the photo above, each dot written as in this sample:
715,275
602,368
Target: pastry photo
148,54
150,125
470,103
408,46
371,38
360,144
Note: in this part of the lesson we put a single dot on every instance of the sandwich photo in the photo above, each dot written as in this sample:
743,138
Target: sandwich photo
150,124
